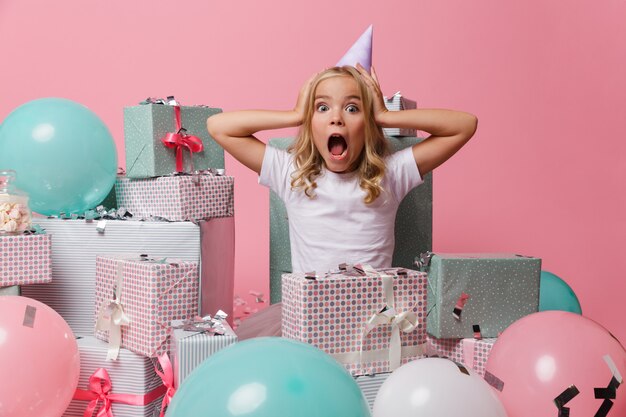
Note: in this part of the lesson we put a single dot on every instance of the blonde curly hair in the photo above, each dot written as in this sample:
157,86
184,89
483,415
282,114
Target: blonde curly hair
370,166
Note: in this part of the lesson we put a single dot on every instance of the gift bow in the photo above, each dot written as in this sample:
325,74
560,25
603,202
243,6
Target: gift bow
405,321
181,139
100,390
167,376
112,317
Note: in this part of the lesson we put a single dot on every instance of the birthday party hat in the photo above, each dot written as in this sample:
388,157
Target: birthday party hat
360,52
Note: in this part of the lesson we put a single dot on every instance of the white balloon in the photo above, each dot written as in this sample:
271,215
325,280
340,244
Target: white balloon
436,387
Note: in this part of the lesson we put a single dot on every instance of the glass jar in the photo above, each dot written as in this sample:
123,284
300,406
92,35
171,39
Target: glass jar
15,215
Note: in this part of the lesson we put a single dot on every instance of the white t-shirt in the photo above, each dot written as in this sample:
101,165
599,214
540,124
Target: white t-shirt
337,226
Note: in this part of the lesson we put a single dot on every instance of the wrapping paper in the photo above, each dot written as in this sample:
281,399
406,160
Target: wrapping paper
25,259
413,229
152,293
370,385
498,290
13,290
177,198
470,352
333,312
130,374
395,103
144,127
190,348
76,243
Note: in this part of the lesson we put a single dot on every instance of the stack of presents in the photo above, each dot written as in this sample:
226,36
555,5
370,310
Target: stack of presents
152,274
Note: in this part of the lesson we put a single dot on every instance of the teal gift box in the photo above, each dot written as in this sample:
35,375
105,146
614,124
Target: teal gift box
479,295
413,228
146,155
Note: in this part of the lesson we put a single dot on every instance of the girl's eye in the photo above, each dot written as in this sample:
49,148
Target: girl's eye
322,107
352,108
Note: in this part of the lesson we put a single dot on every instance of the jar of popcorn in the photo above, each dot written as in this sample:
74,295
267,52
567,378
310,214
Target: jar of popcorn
15,216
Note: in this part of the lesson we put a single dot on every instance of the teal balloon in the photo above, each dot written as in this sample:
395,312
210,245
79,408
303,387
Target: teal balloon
269,377
63,154
555,294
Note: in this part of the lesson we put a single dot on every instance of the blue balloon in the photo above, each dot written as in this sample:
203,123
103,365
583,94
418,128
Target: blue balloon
269,377
64,155
555,294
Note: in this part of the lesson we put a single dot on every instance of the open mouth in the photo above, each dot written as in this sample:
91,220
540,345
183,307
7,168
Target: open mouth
337,146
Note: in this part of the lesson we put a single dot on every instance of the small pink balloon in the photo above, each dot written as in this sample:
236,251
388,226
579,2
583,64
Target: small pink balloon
39,359
553,354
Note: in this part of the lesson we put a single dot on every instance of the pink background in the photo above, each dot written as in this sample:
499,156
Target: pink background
543,176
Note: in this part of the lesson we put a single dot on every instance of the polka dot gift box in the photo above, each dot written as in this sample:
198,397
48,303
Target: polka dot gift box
25,259
470,352
370,321
137,298
177,198
479,295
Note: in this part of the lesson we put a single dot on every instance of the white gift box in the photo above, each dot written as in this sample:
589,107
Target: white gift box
398,102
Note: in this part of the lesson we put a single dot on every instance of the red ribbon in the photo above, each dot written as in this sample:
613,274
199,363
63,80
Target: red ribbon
167,376
179,140
100,390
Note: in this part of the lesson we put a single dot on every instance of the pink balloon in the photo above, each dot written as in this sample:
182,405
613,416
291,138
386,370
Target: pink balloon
39,359
541,355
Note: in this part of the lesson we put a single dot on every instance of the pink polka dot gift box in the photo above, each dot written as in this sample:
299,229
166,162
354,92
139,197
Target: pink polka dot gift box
137,298
177,198
369,320
25,259
470,352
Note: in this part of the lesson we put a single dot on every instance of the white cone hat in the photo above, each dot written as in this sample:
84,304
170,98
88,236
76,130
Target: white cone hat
360,52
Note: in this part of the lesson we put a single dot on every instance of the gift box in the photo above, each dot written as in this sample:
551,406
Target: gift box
12,290
137,297
25,259
370,323
480,295
132,378
177,198
155,144
413,230
398,102
194,341
76,243
370,385
470,352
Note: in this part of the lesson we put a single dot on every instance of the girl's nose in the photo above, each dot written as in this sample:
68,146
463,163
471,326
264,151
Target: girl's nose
336,119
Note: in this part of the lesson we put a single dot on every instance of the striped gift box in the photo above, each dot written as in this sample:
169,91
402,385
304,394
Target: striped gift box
370,385
75,245
25,259
153,293
131,374
177,198
190,348
396,103
470,352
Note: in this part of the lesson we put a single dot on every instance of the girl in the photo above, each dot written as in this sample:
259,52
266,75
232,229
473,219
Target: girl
340,185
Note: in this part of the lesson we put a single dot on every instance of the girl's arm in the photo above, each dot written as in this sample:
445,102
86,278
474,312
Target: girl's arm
449,129
234,131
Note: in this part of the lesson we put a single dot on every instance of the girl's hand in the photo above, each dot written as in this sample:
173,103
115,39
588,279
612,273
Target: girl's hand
303,97
372,83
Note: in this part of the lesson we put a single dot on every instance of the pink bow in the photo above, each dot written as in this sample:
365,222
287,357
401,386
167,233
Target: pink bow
100,390
180,139
167,376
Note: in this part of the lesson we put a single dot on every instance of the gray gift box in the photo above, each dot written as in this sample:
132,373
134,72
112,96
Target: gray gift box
501,289
413,228
146,124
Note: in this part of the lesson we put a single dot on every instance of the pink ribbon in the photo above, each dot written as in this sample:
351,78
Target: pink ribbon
179,140
167,376
100,390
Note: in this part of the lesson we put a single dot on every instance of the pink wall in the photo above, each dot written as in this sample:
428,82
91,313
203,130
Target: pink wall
544,175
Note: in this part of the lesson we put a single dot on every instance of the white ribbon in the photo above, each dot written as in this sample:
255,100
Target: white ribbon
112,316
405,321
